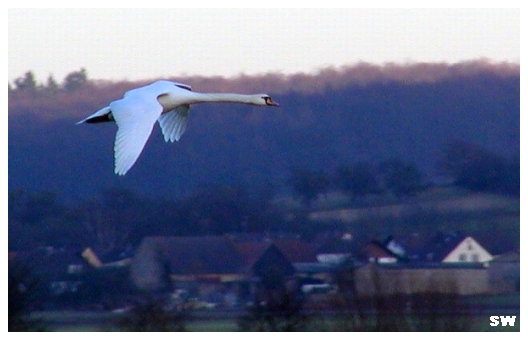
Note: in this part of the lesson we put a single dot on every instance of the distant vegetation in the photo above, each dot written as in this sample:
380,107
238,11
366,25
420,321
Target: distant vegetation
366,131
364,114
73,82
151,315
363,140
116,219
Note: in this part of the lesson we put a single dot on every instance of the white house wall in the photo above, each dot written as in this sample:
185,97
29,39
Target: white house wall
468,250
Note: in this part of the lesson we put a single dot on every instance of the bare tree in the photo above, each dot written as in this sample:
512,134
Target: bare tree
150,314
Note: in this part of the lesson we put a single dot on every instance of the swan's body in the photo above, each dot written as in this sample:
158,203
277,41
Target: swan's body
163,101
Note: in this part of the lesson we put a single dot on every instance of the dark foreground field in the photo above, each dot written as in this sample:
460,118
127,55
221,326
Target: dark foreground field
477,319
68,321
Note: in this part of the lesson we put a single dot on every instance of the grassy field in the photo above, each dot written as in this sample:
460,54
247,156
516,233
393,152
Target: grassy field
439,209
317,323
73,321
197,326
450,323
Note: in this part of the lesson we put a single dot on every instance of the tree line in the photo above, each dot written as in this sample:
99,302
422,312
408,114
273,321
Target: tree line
393,177
339,124
362,73
462,164
311,148
28,83
118,217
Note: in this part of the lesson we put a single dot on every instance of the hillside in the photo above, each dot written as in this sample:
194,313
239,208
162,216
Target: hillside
337,116
441,201
492,219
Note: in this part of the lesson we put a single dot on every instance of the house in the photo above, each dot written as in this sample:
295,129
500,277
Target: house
451,247
259,259
207,267
468,250
415,277
161,260
268,271
444,263
213,268
376,252
293,248
297,254
297,251
338,250
388,251
60,269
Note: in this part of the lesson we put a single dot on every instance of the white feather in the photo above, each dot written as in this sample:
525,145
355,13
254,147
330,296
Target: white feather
166,102
173,123
135,118
102,112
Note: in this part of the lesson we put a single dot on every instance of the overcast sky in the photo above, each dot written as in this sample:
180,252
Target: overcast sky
138,44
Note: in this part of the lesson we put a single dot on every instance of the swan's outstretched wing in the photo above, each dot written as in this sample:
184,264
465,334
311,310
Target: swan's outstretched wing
173,123
135,116
105,111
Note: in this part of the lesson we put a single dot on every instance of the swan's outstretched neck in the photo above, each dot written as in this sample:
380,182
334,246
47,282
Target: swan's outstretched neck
227,98
164,102
169,101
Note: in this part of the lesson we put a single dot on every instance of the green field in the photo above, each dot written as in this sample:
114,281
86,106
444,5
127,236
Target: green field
318,324
73,321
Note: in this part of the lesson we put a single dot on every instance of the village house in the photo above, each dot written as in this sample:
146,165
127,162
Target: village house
387,251
407,278
452,247
212,268
468,250
339,249
233,270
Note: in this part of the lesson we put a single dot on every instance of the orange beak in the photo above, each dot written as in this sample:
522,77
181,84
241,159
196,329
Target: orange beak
270,102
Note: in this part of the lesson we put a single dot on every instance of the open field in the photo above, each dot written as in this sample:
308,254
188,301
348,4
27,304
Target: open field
438,209
318,322
482,307
442,201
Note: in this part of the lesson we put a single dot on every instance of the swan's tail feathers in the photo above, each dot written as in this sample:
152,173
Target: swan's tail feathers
102,116
174,123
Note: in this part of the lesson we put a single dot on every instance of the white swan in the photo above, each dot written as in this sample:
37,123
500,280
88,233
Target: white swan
163,101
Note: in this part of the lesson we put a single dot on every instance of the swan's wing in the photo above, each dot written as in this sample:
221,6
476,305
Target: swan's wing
173,123
135,116
101,113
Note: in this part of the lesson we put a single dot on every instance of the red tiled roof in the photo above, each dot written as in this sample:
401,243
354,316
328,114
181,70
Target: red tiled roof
375,251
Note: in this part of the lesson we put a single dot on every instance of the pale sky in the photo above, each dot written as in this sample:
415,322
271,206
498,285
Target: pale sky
138,44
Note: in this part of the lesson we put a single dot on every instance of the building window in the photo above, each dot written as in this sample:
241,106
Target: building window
469,245
462,257
474,257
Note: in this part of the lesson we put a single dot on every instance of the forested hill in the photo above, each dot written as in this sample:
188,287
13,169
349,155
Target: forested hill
335,117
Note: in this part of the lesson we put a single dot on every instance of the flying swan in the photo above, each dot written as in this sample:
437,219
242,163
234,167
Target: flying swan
163,101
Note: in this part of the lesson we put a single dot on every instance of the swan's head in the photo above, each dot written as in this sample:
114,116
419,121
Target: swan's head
265,100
